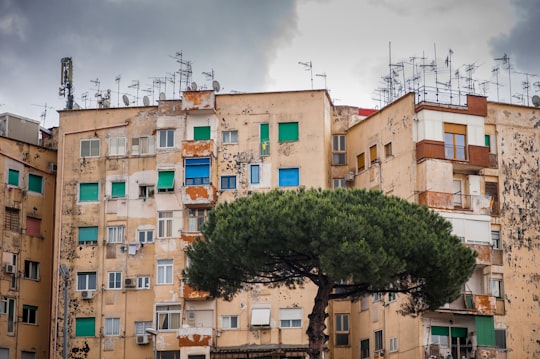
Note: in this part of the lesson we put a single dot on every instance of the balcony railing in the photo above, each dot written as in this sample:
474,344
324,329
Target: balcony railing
195,336
477,304
199,196
478,204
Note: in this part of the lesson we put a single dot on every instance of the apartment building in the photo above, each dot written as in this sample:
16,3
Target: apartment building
27,205
133,187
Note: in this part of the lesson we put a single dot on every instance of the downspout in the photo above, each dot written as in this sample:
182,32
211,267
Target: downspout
59,229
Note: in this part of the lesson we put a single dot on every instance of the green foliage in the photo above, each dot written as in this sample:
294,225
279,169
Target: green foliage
358,241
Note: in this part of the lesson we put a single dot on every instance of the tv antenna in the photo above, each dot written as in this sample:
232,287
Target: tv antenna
308,66
526,83
96,83
135,84
66,81
185,72
117,80
84,97
172,79
323,75
209,75
506,62
44,113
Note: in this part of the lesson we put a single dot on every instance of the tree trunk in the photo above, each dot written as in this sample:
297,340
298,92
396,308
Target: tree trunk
317,319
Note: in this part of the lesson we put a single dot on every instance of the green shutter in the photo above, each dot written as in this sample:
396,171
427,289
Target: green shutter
13,178
35,183
85,327
485,330
30,307
165,180
458,332
435,330
288,132
201,133
88,234
265,132
88,192
487,140
118,189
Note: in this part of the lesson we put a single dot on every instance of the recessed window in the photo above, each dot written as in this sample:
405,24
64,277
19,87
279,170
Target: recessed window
264,136
439,335
140,327
379,340
165,224
255,174
86,281
339,183
13,177
497,288
196,218
31,270
11,219
166,138
143,282
228,182
90,147
393,345
88,235
342,329
229,137
338,149
164,271
364,348
85,327
115,234
373,154
146,191
201,133
143,145
289,177
165,181
290,317
88,192
29,314
392,296
377,296
496,239
117,146
455,138
288,132
115,280
118,189
112,327
197,171
35,183
145,236
168,317
388,150
229,322
361,162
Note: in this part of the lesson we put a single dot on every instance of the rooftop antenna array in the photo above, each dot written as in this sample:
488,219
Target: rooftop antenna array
66,81
172,79
506,62
185,72
526,84
308,66
495,71
135,84
44,113
323,75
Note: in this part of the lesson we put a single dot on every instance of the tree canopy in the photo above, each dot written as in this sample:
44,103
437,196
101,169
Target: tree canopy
349,243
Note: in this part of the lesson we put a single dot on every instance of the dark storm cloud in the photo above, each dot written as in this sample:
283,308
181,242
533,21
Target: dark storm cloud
521,43
134,38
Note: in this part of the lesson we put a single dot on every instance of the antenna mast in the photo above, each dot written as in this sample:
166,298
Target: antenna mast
506,61
66,81
308,66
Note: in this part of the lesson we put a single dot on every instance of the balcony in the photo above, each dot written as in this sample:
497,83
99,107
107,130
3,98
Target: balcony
485,253
199,196
473,304
199,148
477,204
195,337
474,157
188,292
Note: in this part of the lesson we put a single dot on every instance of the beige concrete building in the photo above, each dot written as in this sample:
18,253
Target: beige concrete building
27,204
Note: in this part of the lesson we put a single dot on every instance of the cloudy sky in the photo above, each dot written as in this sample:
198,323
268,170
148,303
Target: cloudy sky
257,45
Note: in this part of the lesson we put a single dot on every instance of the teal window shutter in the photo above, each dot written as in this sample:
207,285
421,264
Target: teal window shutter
88,192
288,132
485,330
85,327
35,183
13,178
88,234
457,332
165,180
118,189
436,330
201,133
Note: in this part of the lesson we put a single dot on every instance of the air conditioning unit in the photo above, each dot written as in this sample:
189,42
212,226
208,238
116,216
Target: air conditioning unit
379,353
9,268
349,176
141,339
87,294
53,167
130,282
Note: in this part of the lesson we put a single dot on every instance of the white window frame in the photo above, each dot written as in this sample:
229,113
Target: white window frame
145,234
291,318
111,327
378,343
141,326
115,234
28,316
377,296
146,191
114,280
33,270
230,137
165,224
164,309
91,149
86,276
164,271
339,183
196,218
143,145
117,146
339,148
393,345
143,282
227,322
169,136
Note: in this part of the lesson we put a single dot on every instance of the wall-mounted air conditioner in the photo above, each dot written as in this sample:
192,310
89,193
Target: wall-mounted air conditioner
141,339
130,282
9,268
87,294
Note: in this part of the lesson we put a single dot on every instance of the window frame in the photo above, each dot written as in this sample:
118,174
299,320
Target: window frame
291,318
164,271
202,133
143,145
33,226
285,177
496,239
196,217
342,329
87,275
91,149
227,182
339,183
393,345
87,322
91,197
378,340
453,132
165,187
165,138
13,175
145,233
388,150
94,240
229,137
166,310
31,270
360,162
113,331
197,164
227,322
12,219
114,280
143,282
30,315
33,181
373,154
115,234
146,191
255,174
119,191
165,224
119,148
339,150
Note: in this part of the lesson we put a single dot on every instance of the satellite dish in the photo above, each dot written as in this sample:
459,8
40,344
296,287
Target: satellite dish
188,88
145,101
126,100
194,86
536,101
216,86
162,96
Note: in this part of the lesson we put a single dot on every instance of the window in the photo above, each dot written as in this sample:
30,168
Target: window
29,314
439,335
500,338
290,318
228,182
88,235
288,131
197,171
164,271
229,322
118,189
487,140
31,270
86,281
264,136
497,288
492,189
496,239
361,162
112,327
339,183
338,148
230,137
115,280
455,141
8,307
90,147
13,177
166,138
165,181
255,174
140,327
260,317
143,282
373,154
35,183
11,219
201,133
88,192
388,150
146,191
168,316
393,347
117,146
289,177
33,227
364,349
165,224
115,234
85,327
342,329
377,296
143,145
379,341
458,194
145,236
196,218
